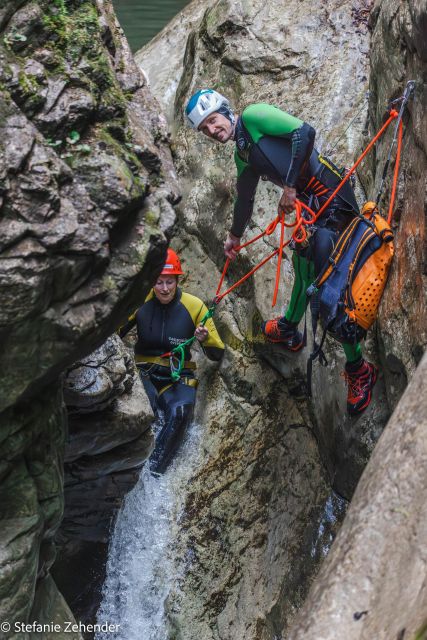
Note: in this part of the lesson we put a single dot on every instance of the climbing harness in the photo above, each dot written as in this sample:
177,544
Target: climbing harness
177,354
304,218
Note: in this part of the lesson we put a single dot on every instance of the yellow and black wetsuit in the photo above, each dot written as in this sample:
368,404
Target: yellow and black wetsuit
161,327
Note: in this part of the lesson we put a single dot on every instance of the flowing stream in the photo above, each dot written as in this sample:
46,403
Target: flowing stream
144,563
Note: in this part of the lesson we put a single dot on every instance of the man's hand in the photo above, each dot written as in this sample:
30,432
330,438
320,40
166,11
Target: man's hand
201,333
231,242
287,201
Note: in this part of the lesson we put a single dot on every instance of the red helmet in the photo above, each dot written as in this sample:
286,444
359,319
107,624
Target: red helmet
172,266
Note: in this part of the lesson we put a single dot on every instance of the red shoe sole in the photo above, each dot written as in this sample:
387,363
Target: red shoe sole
278,341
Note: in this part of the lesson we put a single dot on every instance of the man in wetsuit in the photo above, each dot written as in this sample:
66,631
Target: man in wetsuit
276,146
168,317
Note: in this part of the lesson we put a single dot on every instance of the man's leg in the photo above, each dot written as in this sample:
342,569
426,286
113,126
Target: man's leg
304,276
360,376
177,404
284,330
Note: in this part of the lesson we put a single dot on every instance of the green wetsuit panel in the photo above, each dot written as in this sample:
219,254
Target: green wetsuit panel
304,276
266,120
353,352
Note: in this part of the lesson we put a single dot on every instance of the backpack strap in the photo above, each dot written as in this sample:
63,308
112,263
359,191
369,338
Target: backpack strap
317,348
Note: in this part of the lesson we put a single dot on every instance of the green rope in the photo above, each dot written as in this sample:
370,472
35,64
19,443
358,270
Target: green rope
176,370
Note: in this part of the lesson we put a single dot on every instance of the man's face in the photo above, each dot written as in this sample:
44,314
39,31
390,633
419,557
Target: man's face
165,288
217,127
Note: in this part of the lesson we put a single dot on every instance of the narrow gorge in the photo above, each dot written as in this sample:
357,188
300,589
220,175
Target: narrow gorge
274,521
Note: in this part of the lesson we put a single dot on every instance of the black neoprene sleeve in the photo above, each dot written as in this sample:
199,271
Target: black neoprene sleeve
302,140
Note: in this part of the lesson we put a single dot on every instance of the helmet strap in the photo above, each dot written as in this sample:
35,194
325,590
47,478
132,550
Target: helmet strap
228,113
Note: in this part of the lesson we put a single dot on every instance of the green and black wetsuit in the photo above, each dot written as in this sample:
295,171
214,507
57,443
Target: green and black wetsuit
276,146
160,328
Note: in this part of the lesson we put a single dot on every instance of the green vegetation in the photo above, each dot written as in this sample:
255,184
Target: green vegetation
421,634
12,37
75,37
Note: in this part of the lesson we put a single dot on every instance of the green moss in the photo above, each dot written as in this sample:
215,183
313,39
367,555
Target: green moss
109,283
151,218
73,34
55,21
28,83
121,150
30,92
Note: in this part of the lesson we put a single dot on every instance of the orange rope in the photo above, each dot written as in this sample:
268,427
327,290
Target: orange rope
393,115
219,296
279,258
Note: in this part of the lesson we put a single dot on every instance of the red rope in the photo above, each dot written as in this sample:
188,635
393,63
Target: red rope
245,277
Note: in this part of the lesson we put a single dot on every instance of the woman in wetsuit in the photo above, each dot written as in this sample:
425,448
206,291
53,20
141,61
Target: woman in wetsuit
168,317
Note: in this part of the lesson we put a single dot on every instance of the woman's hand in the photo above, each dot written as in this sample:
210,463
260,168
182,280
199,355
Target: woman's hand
231,242
287,201
201,333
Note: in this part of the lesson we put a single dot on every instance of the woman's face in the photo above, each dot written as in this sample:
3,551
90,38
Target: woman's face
165,288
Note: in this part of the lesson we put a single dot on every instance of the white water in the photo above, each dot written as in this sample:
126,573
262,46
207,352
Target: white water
144,565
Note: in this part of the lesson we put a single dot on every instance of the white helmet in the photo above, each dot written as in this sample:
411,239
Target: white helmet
202,104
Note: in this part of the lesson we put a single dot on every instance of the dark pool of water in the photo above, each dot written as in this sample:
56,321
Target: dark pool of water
143,19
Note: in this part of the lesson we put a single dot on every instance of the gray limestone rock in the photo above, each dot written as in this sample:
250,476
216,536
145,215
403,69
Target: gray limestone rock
87,188
82,144
372,585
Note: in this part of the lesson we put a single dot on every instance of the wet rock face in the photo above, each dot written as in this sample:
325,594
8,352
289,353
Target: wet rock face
372,583
399,54
109,438
82,148
31,499
253,526
108,432
86,193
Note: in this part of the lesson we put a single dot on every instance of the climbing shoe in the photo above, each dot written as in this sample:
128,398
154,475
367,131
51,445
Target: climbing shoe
360,378
281,331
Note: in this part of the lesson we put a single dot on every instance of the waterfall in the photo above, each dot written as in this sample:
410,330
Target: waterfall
143,564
